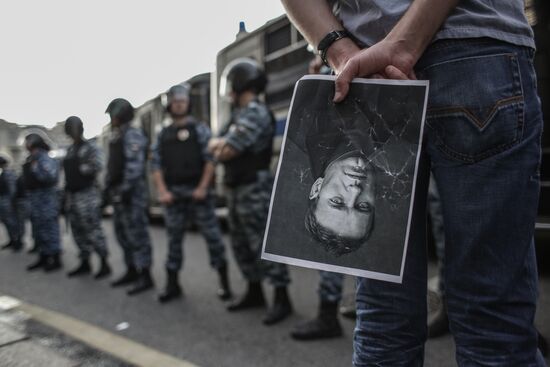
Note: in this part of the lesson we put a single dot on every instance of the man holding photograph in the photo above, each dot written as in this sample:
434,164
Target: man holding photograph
484,125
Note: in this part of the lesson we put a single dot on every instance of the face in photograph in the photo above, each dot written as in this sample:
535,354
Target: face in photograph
342,205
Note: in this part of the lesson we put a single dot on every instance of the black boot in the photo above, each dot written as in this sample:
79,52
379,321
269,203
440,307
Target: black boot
39,263
348,312
325,325
253,298
144,282
281,308
82,269
52,262
173,289
130,276
224,292
104,270
347,306
17,246
438,322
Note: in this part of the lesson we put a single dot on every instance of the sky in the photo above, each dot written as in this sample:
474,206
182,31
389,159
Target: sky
71,57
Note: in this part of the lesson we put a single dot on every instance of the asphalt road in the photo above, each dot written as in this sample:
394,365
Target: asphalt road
198,328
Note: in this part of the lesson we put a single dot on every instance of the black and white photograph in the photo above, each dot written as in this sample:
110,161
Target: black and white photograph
344,189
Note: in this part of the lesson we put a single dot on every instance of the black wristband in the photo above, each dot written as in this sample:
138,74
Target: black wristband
328,40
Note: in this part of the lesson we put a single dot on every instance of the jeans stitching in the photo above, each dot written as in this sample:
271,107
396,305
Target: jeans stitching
457,110
518,78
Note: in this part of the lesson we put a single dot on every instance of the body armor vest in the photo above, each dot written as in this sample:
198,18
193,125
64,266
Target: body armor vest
181,155
74,179
4,189
115,165
243,169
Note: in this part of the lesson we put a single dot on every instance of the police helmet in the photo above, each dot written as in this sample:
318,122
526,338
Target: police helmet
240,75
73,125
34,140
179,91
121,109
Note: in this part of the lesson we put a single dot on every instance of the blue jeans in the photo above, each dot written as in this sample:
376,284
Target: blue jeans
482,143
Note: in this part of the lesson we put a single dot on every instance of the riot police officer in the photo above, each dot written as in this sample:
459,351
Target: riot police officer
245,148
7,202
183,171
82,199
41,173
125,184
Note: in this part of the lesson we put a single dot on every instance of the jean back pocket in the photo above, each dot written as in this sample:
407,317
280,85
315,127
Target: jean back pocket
475,105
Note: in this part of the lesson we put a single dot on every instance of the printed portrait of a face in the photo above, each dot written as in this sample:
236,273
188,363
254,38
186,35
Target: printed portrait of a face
340,215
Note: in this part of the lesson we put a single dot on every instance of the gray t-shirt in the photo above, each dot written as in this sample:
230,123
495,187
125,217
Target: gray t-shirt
371,20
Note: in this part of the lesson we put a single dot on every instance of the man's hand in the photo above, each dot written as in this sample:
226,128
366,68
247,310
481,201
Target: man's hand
214,145
199,194
340,52
386,59
395,56
221,150
315,65
166,197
